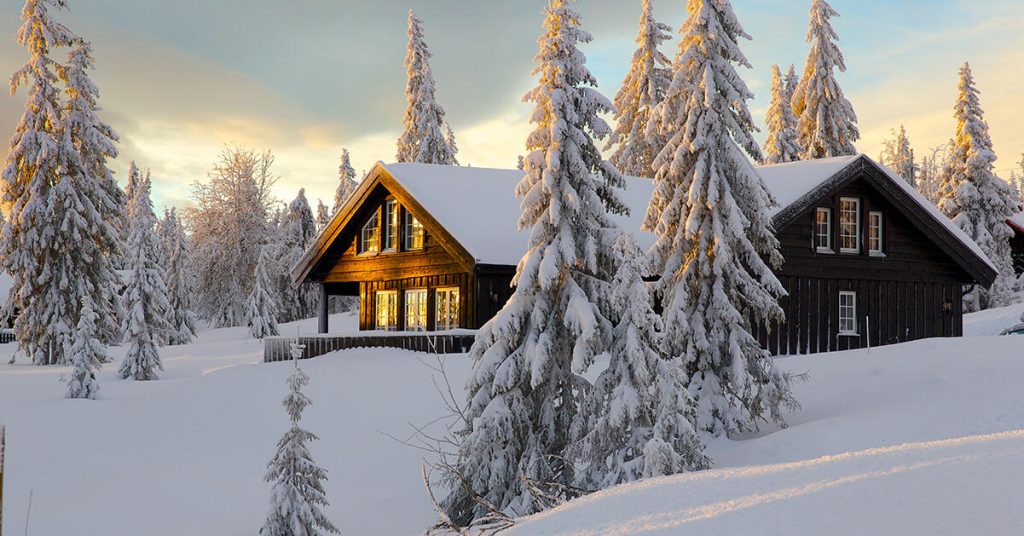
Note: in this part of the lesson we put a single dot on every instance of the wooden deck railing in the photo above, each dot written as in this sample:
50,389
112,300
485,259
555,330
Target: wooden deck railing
278,348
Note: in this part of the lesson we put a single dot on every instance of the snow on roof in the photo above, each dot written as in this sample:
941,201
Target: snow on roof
1018,222
478,206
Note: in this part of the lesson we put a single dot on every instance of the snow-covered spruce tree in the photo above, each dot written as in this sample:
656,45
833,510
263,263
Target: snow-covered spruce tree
1017,178
827,124
298,493
976,199
296,234
897,154
261,308
627,414
426,136
781,145
520,163
86,355
145,297
929,178
715,239
323,216
524,388
792,81
642,89
347,184
36,153
179,295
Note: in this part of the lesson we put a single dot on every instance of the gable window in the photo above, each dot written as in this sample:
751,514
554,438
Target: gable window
416,310
823,230
847,313
875,233
849,225
413,232
387,310
447,309
369,236
390,214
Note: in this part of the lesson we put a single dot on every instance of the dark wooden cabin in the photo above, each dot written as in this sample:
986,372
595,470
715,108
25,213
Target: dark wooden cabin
868,261
1016,223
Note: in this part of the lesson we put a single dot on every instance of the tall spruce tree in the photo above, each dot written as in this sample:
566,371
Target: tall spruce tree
792,81
145,297
346,182
426,138
897,154
827,124
86,355
323,217
715,239
781,145
298,493
641,91
295,235
523,391
179,295
261,307
1017,178
976,199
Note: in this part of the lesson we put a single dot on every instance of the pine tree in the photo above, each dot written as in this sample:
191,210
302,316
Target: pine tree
792,81
147,309
296,234
347,184
323,218
524,385
975,198
520,163
929,179
635,430
781,145
298,493
897,154
827,124
641,91
426,138
261,316
1017,178
179,296
86,355
715,239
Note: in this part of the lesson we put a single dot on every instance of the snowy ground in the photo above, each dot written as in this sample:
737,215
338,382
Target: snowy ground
926,437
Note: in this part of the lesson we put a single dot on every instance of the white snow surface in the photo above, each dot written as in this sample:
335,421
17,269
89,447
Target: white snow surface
919,438
791,181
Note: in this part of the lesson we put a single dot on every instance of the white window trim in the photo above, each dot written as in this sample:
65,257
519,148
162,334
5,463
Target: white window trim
437,319
376,310
426,308
361,248
386,244
407,227
855,331
827,248
881,233
856,241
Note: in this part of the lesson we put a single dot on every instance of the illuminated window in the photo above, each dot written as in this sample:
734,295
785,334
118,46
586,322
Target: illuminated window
387,310
369,237
847,313
413,232
823,230
875,233
390,225
849,225
416,310
447,316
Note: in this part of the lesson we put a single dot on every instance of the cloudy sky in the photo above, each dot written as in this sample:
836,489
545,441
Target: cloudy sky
182,79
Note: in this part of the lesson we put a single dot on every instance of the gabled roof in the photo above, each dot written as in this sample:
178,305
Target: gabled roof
475,212
1017,223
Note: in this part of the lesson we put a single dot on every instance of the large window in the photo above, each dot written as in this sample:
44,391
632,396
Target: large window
447,309
387,310
823,230
390,225
849,225
369,236
416,310
847,313
875,233
413,232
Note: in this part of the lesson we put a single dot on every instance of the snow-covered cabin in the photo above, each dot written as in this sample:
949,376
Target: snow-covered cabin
868,260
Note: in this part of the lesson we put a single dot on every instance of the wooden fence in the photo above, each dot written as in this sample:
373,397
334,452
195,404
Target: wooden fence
6,336
278,348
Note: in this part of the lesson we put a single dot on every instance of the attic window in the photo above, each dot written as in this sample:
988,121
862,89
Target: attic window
413,232
369,236
849,225
390,225
823,230
875,233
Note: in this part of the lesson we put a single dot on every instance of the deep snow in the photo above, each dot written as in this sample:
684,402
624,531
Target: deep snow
895,440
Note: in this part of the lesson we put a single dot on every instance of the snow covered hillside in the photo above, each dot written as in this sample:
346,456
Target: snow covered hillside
926,437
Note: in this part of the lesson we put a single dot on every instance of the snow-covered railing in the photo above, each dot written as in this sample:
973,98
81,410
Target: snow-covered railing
444,342
6,336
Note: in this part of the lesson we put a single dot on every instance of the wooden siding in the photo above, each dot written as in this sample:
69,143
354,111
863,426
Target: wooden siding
464,282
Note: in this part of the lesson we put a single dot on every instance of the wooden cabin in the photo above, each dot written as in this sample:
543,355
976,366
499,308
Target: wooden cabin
1016,223
868,261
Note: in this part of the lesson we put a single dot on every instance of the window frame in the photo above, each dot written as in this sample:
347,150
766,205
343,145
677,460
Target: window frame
410,226
390,222
362,248
850,294
880,250
857,225
424,305
827,248
377,310
447,316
